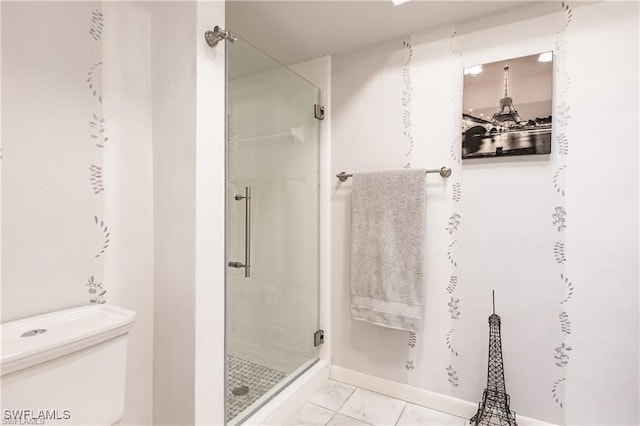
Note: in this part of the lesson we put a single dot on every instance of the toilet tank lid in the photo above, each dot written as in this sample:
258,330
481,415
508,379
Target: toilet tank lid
37,339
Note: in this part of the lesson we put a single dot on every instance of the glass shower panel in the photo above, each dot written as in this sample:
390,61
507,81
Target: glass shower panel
272,225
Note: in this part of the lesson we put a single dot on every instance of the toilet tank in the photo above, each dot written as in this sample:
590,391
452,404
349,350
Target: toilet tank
66,367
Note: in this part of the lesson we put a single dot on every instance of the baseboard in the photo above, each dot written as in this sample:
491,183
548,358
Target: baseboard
284,405
434,400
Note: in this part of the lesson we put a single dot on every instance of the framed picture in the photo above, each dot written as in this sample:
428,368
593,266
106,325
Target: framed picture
507,107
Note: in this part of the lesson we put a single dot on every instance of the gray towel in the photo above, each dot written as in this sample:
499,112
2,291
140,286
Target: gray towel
387,248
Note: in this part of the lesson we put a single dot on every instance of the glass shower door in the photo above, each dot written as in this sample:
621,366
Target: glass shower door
272,227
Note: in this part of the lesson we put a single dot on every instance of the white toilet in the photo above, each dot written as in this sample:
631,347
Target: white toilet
66,367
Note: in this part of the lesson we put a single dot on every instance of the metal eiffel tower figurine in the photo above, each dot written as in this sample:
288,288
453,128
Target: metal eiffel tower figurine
494,407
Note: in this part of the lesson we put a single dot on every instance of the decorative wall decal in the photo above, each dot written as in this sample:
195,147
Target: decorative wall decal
98,134
493,127
454,222
105,236
563,114
453,375
408,155
457,192
453,282
96,179
562,358
409,365
452,151
555,391
406,99
569,13
559,220
558,252
412,339
569,291
450,253
92,80
448,339
453,308
453,44
563,143
456,99
406,119
565,323
95,30
563,83
96,291
557,180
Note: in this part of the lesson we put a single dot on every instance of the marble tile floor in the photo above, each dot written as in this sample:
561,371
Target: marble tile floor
341,404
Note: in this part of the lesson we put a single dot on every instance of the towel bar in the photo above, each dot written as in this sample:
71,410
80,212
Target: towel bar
445,172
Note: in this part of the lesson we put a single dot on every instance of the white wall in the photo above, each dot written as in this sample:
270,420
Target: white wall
128,165
174,171
210,227
51,238
506,238
188,158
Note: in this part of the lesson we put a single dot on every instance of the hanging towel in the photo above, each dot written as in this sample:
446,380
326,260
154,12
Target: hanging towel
387,248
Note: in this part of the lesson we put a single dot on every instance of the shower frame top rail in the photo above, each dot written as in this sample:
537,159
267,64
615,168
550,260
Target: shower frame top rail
445,172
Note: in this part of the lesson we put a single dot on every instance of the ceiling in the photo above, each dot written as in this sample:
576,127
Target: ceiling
296,31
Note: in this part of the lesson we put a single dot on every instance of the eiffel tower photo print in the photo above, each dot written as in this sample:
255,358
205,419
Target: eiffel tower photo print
507,107
494,408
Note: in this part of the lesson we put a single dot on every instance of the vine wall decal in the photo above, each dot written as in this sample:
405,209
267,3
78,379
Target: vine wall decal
406,99
454,222
562,357
562,117
449,344
452,375
96,291
93,80
568,290
95,29
456,101
563,144
98,134
407,132
555,391
559,220
450,253
96,179
457,192
455,218
453,282
453,308
99,138
565,323
105,236
412,339
558,178
558,252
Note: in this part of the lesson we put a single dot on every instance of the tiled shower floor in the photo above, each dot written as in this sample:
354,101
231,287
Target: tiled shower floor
258,378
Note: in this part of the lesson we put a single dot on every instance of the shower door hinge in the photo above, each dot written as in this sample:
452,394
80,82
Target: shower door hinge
318,111
318,338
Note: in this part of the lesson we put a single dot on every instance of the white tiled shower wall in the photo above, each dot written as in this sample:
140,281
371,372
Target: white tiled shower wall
272,315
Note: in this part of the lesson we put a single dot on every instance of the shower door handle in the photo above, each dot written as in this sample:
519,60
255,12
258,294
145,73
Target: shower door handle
247,233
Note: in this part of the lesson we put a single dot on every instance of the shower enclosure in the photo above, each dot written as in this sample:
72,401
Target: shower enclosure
272,227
